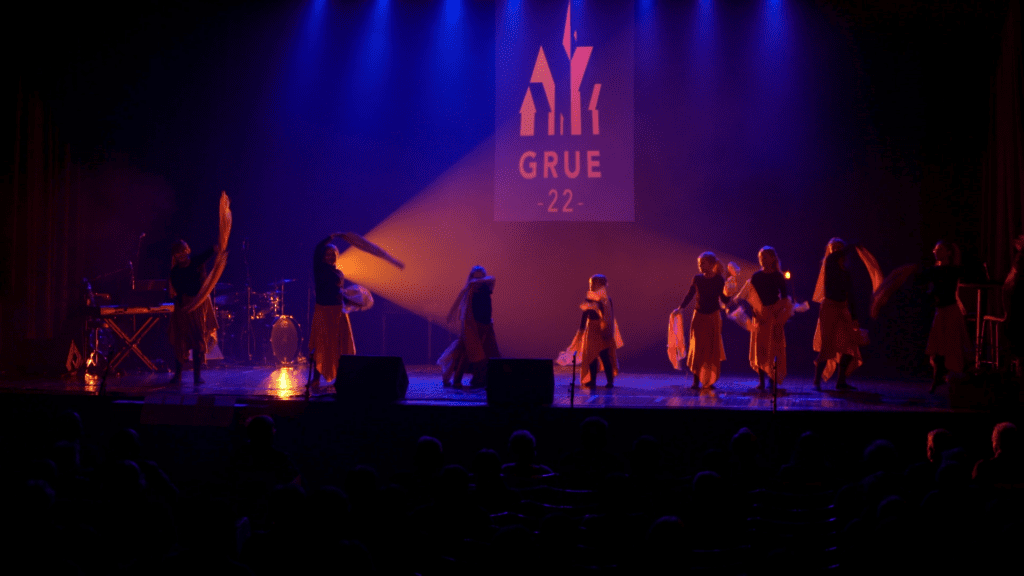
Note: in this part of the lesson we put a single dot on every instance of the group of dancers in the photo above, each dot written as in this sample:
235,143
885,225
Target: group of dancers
762,306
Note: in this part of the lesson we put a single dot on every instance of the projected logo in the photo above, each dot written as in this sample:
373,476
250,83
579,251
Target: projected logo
557,161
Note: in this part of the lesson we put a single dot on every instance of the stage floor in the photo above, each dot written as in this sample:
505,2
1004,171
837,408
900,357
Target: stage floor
631,390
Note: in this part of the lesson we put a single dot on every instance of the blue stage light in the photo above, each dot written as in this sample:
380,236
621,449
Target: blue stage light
452,11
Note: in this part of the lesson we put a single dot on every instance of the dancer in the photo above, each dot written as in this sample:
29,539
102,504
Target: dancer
706,348
597,338
193,325
772,306
732,278
190,331
476,342
837,338
948,340
331,331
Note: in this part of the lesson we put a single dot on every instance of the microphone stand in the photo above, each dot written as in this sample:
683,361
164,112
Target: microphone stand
572,383
250,343
775,382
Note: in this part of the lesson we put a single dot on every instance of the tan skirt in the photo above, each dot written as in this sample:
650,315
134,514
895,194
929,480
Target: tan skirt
768,340
476,344
330,338
479,341
706,347
194,330
837,334
594,340
948,337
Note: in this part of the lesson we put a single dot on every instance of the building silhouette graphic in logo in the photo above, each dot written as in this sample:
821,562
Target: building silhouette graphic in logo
578,60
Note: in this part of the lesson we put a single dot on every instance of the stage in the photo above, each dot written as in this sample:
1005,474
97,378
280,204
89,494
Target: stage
632,390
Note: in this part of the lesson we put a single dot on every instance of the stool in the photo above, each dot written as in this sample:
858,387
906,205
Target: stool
990,332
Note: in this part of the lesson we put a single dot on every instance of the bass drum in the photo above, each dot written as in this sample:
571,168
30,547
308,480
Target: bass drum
274,340
284,340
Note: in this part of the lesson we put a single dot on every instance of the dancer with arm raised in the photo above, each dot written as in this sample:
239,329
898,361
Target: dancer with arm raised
837,337
193,324
476,342
597,338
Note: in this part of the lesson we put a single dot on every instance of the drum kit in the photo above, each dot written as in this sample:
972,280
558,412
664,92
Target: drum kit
254,327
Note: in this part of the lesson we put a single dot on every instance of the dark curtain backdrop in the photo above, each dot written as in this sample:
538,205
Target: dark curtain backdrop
1003,210
41,233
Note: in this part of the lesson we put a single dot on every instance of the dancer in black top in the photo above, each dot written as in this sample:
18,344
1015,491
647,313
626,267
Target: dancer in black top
193,326
476,342
706,348
598,336
767,338
331,330
947,340
836,338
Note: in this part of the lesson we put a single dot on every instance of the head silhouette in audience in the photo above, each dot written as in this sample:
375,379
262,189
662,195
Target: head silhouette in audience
594,434
486,466
939,441
125,445
330,513
429,456
68,426
258,464
645,458
880,456
522,447
362,483
261,431
587,466
1006,467
522,450
454,484
744,451
1005,440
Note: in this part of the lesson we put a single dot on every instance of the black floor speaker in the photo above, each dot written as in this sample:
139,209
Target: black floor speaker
371,379
520,382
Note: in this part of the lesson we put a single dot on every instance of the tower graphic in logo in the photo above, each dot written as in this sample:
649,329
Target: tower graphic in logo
578,60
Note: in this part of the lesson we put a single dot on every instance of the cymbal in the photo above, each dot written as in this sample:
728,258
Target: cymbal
222,287
284,281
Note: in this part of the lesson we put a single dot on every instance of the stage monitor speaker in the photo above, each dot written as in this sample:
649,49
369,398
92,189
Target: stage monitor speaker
520,382
371,379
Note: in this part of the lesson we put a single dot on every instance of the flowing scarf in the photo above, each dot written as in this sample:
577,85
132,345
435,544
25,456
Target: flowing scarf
221,257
